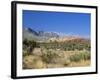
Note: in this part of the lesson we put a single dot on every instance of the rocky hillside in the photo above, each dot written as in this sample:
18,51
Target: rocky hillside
43,36
31,34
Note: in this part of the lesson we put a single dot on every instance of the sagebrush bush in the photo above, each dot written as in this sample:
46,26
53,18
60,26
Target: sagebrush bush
80,56
75,58
50,56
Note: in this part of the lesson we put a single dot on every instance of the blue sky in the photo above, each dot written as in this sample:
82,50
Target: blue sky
62,22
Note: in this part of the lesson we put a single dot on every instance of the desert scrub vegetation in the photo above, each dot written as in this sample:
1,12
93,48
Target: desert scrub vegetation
53,59
67,46
28,46
50,56
85,55
33,62
38,55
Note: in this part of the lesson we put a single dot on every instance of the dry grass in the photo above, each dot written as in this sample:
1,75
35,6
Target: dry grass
33,62
80,64
50,58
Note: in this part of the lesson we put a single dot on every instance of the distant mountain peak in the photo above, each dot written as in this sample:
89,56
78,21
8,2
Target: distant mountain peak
37,35
47,35
31,31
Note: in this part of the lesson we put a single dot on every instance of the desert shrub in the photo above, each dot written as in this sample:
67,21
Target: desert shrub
85,55
29,45
33,62
75,57
50,56
68,45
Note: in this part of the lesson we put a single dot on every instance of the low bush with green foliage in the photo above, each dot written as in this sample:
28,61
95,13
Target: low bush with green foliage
85,55
67,46
50,56
28,46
